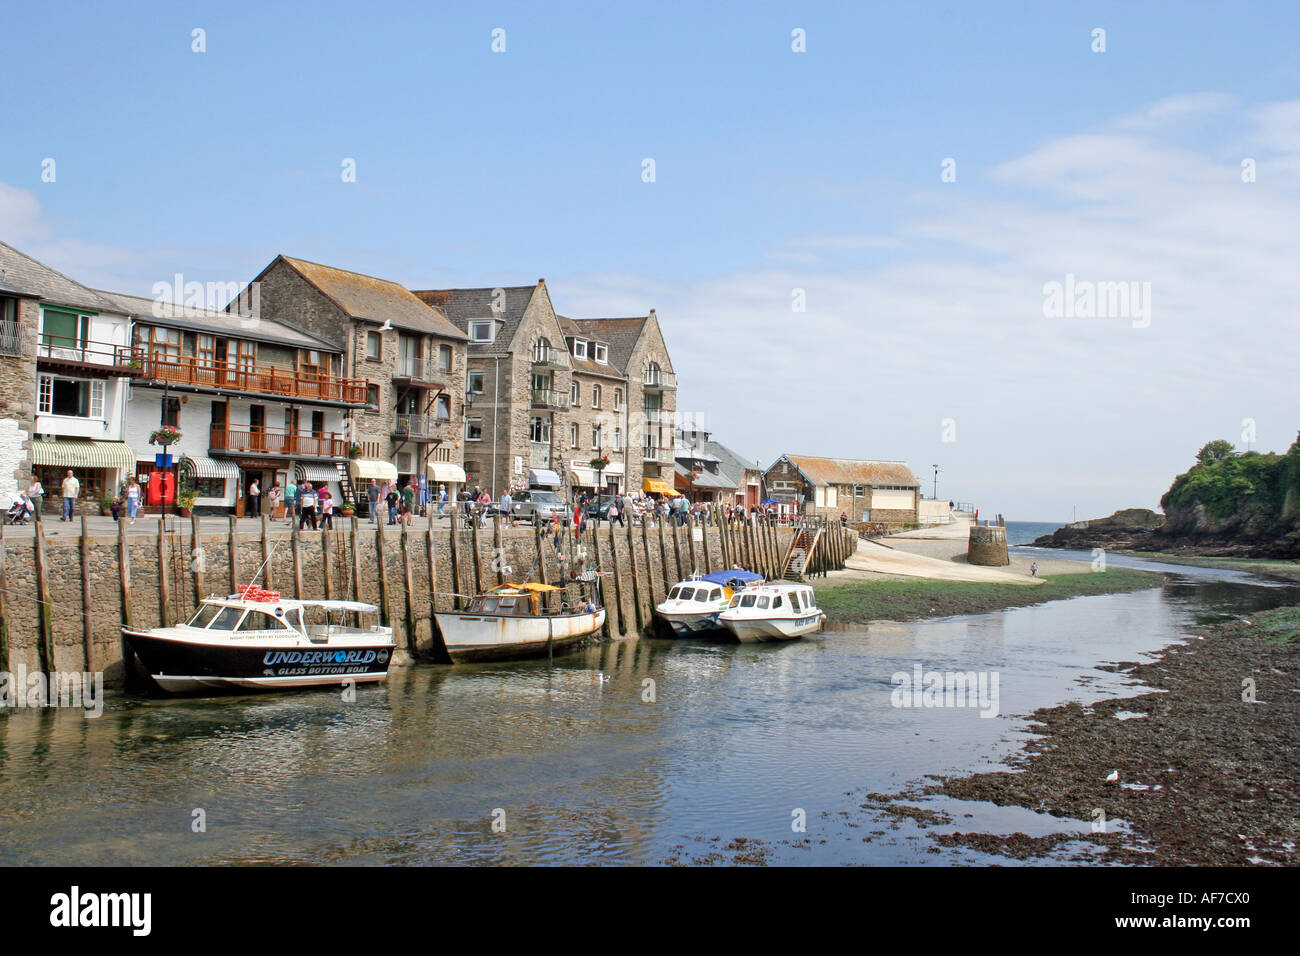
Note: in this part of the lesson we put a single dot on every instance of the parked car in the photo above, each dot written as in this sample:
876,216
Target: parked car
598,508
542,504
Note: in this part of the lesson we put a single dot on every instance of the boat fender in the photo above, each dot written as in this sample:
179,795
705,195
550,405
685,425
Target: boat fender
591,608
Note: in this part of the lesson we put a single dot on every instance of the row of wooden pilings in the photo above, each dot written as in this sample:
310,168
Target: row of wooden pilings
698,544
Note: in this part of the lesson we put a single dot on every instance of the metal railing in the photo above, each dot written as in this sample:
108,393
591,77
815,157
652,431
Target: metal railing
656,454
549,398
421,370
247,377
553,358
278,441
658,378
62,348
11,338
421,426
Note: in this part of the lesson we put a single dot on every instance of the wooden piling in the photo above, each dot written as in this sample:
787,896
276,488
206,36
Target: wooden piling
45,637
636,584
327,561
267,576
649,573
356,559
498,553
234,556
690,544
4,607
601,582
381,572
455,561
430,553
663,559
478,565
197,573
295,549
409,582
164,588
621,629
87,627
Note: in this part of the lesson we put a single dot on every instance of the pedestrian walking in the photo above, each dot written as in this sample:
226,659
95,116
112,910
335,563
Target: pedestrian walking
506,503
407,495
442,500
372,499
1033,569
36,492
291,500
71,490
392,500
132,499
326,509
254,499
307,500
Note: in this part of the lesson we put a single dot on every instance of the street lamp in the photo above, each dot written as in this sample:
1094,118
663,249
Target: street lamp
935,492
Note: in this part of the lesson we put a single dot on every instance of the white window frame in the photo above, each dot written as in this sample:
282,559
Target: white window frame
96,398
573,434
45,395
580,348
595,437
618,399
618,439
539,425
595,396
601,352
469,381
478,325
471,423
575,393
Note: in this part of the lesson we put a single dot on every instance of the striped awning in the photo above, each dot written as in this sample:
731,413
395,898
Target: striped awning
364,468
316,474
446,472
83,453
202,467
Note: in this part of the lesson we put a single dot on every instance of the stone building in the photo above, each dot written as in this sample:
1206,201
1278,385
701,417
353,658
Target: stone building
412,356
252,398
517,385
698,472
67,360
879,491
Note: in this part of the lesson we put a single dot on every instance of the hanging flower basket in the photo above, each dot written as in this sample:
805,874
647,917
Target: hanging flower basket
691,476
599,464
164,436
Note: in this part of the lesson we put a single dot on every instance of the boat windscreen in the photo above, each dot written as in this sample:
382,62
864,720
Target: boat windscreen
204,615
686,594
227,619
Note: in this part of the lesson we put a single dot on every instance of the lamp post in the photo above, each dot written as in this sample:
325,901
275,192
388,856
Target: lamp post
935,492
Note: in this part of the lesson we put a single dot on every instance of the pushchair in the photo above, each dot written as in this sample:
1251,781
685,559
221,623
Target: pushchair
20,511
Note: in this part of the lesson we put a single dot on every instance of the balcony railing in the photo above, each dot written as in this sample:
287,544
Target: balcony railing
422,427
656,454
551,358
278,441
657,378
11,338
124,359
246,377
549,398
421,370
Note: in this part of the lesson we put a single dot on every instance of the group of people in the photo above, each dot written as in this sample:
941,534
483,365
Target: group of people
399,499
311,507
28,504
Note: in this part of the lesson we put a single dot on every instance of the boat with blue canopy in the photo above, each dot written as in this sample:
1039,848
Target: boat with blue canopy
691,607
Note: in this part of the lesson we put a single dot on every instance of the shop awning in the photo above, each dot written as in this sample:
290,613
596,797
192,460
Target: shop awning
201,467
83,453
446,472
544,476
316,474
657,486
366,469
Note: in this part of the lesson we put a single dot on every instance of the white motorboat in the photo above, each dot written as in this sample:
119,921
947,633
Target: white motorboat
255,640
512,621
780,611
691,607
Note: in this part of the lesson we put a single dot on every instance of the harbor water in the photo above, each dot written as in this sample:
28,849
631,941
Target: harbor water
644,752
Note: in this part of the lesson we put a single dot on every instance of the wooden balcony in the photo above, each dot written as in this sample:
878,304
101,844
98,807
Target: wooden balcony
276,441
420,371
187,371
82,355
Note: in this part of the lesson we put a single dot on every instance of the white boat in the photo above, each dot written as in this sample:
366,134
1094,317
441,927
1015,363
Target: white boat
512,621
780,611
255,640
691,607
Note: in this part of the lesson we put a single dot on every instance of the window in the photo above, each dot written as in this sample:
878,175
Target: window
580,348
161,343
573,434
686,594
595,396
764,601
372,395
475,383
618,399
481,331
651,373
747,600
573,395
473,429
171,411
444,358
602,354
595,437
539,430
542,350
794,600
64,329
374,345
203,617
227,619
71,397
209,487
262,621
442,408
715,594
702,595
618,439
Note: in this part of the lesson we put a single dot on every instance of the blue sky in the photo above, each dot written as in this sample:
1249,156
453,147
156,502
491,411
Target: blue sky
774,170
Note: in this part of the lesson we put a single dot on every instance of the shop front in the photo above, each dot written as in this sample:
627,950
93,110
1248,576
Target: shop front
99,466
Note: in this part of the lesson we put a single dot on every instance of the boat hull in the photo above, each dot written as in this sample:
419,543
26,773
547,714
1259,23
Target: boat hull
758,630
181,666
484,637
693,625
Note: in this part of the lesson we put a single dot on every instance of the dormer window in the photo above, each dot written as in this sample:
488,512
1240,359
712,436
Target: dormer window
482,331
580,348
602,354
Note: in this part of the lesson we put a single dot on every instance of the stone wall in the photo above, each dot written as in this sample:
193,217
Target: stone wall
988,546
632,562
18,402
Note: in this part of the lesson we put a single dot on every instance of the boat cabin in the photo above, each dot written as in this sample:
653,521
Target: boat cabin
513,600
775,598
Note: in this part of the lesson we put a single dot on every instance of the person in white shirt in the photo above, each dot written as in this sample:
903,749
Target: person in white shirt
71,490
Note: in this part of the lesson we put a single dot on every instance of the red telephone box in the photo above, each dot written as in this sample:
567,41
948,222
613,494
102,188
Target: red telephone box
162,488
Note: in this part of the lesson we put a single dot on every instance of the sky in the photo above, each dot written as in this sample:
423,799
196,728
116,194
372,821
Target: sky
850,248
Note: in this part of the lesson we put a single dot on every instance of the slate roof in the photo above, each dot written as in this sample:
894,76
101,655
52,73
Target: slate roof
378,300
463,305
32,278
705,479
588,365
853,471
223,323
731,464
620,334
